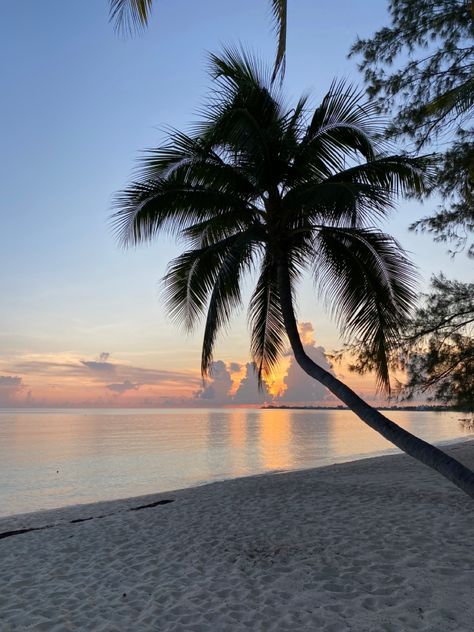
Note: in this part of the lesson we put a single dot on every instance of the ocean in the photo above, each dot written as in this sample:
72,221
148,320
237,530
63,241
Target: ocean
54,458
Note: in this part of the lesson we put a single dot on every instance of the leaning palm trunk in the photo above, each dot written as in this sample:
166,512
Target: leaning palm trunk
412,445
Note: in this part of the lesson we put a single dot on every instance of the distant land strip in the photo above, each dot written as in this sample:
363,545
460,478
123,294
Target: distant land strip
419,407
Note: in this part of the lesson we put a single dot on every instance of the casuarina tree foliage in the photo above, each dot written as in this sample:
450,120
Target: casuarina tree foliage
440,361
257,185
420,69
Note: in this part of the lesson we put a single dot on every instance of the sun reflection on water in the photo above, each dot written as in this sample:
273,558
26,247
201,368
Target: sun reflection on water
56,458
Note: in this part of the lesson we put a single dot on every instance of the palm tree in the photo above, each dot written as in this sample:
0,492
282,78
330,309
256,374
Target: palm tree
258,186
133,15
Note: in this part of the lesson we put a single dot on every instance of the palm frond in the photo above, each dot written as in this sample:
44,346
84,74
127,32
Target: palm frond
295,120
345,106
358,195
267,329
245,118
344,126
279,10
190,280
242,83
130,15
225,297
146,208
236,69
368,283
398,175
335,203
460,99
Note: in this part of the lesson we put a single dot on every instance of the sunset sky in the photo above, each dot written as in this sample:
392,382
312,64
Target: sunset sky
82,322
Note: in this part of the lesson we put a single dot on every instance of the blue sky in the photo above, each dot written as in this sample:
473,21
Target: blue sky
79,103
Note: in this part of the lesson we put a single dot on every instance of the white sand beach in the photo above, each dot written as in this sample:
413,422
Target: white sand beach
382,545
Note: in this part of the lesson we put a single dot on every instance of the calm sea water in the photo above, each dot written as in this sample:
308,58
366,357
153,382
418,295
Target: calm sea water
53,458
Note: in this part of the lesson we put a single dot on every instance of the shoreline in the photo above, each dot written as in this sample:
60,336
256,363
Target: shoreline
128,501
380,543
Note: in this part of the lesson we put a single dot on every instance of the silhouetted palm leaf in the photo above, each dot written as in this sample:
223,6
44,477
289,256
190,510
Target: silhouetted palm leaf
459,99
133,15
368,283
279,11
267,328
130,15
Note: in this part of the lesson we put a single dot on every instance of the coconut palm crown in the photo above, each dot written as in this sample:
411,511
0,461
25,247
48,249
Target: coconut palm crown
257,185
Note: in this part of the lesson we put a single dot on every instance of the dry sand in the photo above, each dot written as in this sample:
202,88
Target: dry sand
380,545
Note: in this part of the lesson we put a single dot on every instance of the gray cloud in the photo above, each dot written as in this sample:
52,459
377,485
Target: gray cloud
248,391
119,378
302,388
101,364
9,381
217,390
101,372
10,387
207,392
121,387
98,366
219,384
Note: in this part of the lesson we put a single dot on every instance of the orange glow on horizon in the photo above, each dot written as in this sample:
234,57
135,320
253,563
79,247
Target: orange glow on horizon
69,380
275,383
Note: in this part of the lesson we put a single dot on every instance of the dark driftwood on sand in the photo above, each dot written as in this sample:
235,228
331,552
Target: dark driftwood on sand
9,534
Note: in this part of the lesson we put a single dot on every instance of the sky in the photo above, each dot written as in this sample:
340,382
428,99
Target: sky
82,322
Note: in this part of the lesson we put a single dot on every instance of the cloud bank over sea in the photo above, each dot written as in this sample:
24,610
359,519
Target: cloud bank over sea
67,380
